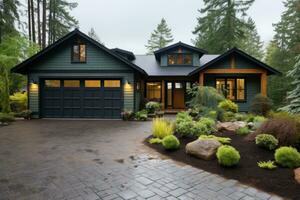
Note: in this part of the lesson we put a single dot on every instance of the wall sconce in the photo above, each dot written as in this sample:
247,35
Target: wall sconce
32,81
127,82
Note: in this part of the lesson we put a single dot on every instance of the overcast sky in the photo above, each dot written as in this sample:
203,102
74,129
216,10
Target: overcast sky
127,24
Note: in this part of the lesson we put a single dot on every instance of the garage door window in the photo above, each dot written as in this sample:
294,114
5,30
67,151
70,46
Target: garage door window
112,83
52,83
92,83
72,83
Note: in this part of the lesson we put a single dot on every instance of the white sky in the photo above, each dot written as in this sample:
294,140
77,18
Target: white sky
127,24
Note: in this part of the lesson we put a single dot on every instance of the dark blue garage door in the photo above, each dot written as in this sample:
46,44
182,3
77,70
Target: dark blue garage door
79,98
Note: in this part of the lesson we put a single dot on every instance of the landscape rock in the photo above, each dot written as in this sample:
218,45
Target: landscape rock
297,175
204,148
230,126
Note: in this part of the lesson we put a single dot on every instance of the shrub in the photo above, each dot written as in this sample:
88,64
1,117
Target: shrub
200,128
287,157
184,124
18,101
170,142
261,105
228,105
204,96
228,156
141,115
257,121
161,128
222,140
155,141
6,118
228,116
240,117
127,115
243,131
26,114
210,123
285,129
266,141
267,164
152,107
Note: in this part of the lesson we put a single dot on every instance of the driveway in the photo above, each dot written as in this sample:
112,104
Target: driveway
92,160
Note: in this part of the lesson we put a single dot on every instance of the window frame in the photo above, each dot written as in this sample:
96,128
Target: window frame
183,58
72,53
146,90
235,91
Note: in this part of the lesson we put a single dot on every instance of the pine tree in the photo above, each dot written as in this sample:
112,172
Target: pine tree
222,25
161,37
294,95
92,34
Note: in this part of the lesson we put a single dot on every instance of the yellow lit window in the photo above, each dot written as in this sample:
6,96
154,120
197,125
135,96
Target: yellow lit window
52,83
153,91
112,83
71,83
92,83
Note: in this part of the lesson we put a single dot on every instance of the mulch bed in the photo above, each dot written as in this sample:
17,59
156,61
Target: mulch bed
279,181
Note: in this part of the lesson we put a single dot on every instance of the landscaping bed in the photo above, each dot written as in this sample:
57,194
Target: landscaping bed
279,181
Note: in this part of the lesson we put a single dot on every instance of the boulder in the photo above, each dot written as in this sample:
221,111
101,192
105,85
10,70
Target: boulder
203,148
230,126
297,175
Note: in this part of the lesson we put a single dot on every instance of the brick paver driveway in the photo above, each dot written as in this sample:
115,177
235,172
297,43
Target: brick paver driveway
70,159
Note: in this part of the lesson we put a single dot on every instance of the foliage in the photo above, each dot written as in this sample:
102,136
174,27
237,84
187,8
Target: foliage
243,131
267,164
266,141
261,105
18,101
222,25
6,118
228,116
26,114
285,129
200,128
204,96
161,128
240,116
208,122
127,115
9,16
287,157
155,141
170,142
184,124
152,107
141,115
222,140
228,156
228,105
160,38
294,95
258,120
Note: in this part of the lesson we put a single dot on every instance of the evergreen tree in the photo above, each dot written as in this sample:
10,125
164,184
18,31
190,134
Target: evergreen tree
222,25
294,95
92,34
161,37
252,43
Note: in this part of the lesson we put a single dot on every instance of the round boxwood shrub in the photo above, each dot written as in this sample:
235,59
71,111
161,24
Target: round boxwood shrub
287,157
266,141
243,131
229,106
170,142
228,156
152,107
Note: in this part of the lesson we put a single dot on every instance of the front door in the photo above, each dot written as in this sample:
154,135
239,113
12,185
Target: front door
175,98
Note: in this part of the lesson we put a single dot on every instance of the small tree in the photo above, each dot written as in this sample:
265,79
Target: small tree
160,38
294,95
261,105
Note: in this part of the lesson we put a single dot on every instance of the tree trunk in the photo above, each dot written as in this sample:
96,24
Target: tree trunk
50,22
29,19
33,22
39,23
44,24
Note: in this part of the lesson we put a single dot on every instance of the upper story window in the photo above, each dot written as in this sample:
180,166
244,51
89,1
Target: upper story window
79,53
180,59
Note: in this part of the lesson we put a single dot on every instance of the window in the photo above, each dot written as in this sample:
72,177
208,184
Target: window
112,83
232,88
180,59
79,53
52,83
72,83
178,85
153,91
92,83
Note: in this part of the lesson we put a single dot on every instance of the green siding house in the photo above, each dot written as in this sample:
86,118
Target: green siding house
76,77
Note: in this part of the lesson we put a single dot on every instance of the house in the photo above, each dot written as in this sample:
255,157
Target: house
78,77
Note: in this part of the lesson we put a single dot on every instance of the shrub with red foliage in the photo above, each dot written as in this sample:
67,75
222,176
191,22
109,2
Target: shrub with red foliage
285,129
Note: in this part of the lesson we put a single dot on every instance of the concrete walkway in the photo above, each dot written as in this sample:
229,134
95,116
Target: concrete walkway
92,160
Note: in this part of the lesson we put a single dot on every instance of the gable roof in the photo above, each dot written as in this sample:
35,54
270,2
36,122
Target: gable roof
176,45
22,67
237,51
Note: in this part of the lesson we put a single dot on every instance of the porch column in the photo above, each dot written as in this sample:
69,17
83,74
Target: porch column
263,83
201,78
163,94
